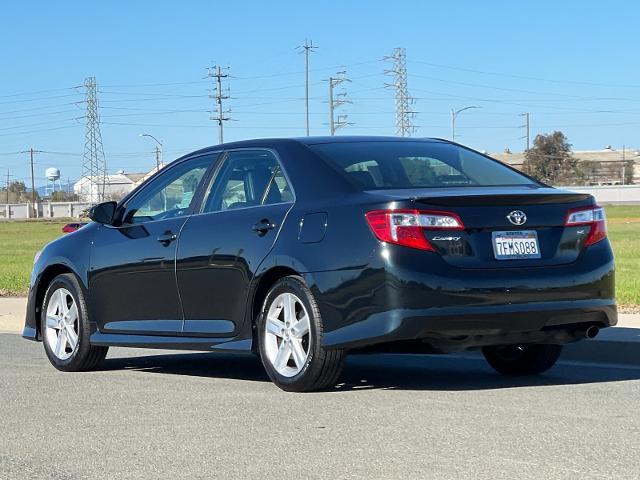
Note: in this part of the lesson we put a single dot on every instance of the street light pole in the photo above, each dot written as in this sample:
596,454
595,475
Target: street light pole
158,149
454,114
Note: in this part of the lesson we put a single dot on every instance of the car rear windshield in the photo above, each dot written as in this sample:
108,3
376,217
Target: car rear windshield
407,164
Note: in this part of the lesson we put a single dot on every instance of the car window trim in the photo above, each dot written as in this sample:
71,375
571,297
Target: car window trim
221,161
197,198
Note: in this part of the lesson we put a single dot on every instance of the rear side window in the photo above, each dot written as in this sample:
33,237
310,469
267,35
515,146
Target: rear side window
279,190
248,178
390,164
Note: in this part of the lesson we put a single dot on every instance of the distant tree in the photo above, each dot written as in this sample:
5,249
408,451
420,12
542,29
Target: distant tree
62,196
57,196
17,187
17,193
550,160
629,172
589,169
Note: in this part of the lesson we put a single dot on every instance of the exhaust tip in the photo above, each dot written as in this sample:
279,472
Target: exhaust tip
592,332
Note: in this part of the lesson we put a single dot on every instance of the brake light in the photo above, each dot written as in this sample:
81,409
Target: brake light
593,217
406,227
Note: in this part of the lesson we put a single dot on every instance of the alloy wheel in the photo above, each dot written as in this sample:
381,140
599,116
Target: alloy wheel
287,336
62,324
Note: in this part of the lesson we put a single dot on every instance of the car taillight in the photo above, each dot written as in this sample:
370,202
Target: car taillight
405,227
594,217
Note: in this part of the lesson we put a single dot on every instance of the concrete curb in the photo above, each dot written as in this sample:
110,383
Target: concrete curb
613,346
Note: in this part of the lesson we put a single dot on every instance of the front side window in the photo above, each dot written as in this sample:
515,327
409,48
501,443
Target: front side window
426,164
248,178
171,193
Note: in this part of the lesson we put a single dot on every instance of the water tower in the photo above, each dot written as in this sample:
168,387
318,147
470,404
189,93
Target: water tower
53,176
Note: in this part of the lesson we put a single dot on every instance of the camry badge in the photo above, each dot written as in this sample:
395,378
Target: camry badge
517,217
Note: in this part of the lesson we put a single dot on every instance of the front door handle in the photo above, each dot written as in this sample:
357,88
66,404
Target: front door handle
167,237
263,226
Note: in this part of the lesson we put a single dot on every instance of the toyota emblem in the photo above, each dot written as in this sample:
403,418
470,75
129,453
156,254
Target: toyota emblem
517,217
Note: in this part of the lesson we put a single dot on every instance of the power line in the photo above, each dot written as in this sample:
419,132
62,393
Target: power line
404,114
136,85
43,107
39,99
35,115
39,130
533,92
37,92
153,94
525,77
14,127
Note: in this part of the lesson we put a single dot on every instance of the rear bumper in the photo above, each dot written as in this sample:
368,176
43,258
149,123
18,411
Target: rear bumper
404,295
453,329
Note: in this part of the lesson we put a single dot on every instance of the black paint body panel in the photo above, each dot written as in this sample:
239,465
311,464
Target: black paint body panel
199,292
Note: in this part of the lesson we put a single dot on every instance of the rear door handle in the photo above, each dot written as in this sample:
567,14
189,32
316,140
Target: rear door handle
167,237
263,226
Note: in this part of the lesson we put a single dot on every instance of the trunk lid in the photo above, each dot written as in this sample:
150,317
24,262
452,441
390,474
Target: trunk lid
484,212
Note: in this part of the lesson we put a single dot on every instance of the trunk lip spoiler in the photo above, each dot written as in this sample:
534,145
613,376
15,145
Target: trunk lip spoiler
506,200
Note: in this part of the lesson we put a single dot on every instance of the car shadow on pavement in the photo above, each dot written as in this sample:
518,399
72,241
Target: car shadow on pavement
200,364
366,372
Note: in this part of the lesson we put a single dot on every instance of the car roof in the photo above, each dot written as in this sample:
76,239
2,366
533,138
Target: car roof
362,138
274,142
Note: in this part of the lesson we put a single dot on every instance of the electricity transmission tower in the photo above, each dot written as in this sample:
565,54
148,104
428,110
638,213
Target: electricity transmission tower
398,71
336,100
526,127
306,48
221,115
94,165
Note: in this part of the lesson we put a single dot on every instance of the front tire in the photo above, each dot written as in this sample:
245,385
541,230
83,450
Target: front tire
517,360
65,327
290,334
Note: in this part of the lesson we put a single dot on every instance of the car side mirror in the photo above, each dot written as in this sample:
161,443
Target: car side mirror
103,212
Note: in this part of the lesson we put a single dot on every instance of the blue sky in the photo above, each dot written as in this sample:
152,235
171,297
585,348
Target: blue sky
572,65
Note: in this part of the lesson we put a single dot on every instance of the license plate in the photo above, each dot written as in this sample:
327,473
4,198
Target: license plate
515,245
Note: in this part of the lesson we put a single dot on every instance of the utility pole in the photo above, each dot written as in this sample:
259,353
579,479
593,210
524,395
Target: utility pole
33,185
526,127
94,165
306,48
336,101
158,158
219,73
8,177
31,151
624,164
404,114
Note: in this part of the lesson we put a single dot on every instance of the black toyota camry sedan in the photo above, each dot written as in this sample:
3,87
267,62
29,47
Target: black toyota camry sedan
304,250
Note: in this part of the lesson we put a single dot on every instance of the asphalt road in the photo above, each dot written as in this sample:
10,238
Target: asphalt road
157,414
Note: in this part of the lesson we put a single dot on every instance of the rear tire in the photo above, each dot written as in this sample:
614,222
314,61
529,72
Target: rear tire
518,360
65,327
290,335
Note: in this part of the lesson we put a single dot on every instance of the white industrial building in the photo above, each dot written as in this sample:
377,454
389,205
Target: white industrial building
115,187
609,163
